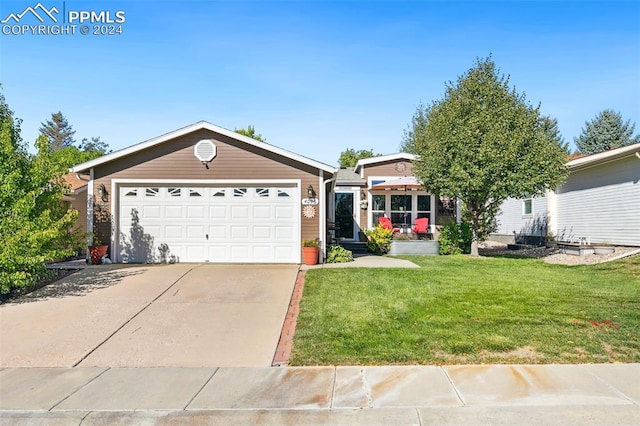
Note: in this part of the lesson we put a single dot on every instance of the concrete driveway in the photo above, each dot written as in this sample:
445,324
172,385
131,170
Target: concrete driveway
151,316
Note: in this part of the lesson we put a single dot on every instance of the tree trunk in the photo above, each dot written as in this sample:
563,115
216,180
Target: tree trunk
474,247
474,238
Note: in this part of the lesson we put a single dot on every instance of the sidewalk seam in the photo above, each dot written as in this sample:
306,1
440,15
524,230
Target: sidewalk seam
608,385
202,387
76,391
420,422
85,417
453,385
132,318
333,388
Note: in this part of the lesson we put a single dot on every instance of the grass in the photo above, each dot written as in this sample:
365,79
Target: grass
457,309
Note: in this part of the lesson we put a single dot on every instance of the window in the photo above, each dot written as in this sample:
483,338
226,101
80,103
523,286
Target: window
174,192
283,193
424,207
218,193
262,192
152,192
401,207
131,193
239,192
527,207
194,193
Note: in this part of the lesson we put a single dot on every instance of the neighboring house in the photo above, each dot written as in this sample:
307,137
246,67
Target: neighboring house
76,199
206,194
599,203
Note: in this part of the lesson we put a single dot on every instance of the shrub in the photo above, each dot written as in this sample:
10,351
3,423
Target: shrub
456,238
379,239
339,254
310,243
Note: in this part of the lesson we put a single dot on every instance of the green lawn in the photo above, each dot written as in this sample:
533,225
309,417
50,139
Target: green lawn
457,309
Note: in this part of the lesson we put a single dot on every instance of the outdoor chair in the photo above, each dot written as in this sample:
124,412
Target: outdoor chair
385,222
421,226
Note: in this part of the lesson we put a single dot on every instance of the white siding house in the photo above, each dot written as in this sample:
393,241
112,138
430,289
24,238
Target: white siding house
599,203
523,216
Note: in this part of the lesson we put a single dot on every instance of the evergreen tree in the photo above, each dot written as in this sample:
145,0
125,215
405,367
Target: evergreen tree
59,131
418,123
251,132
606,131
550,126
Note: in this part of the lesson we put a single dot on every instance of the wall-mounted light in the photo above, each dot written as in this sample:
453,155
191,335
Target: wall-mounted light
310,192
102,192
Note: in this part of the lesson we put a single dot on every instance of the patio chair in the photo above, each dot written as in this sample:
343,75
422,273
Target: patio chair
421,226
385,222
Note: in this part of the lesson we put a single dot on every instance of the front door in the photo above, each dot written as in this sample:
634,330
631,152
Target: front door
344,215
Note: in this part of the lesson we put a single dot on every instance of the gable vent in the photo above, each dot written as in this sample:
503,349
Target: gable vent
205,150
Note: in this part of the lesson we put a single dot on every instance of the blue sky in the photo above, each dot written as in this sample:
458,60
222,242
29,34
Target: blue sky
315,77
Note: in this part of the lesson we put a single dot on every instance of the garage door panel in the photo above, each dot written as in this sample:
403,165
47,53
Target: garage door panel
261,232
218,231
218,212
173,212
218,252
151,212
197,252
284,213
239,212
219,224
284,233
195,212
240,231
262,252
195,232
240,252
173,231
283,253
262,212
152,231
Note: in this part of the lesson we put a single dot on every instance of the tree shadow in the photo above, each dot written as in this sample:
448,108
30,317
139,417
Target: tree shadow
137,247
78,284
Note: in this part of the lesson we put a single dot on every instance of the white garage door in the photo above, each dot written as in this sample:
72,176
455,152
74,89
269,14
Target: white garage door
242,223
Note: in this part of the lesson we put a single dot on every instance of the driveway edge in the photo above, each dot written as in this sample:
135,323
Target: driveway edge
283,350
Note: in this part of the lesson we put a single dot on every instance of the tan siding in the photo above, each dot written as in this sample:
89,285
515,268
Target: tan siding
388,169
79,203
234,160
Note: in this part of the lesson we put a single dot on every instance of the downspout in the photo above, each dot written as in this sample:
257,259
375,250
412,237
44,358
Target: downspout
89,212
552,213
323,213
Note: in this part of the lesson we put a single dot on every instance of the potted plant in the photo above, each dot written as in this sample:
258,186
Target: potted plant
310,250
97,249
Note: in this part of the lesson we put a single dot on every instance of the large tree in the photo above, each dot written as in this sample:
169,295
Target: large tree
58,131
251,132
34,223
606,131
350,156
550,126
418,122
483,143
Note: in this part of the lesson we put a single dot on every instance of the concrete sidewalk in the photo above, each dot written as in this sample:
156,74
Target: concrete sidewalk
450,395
